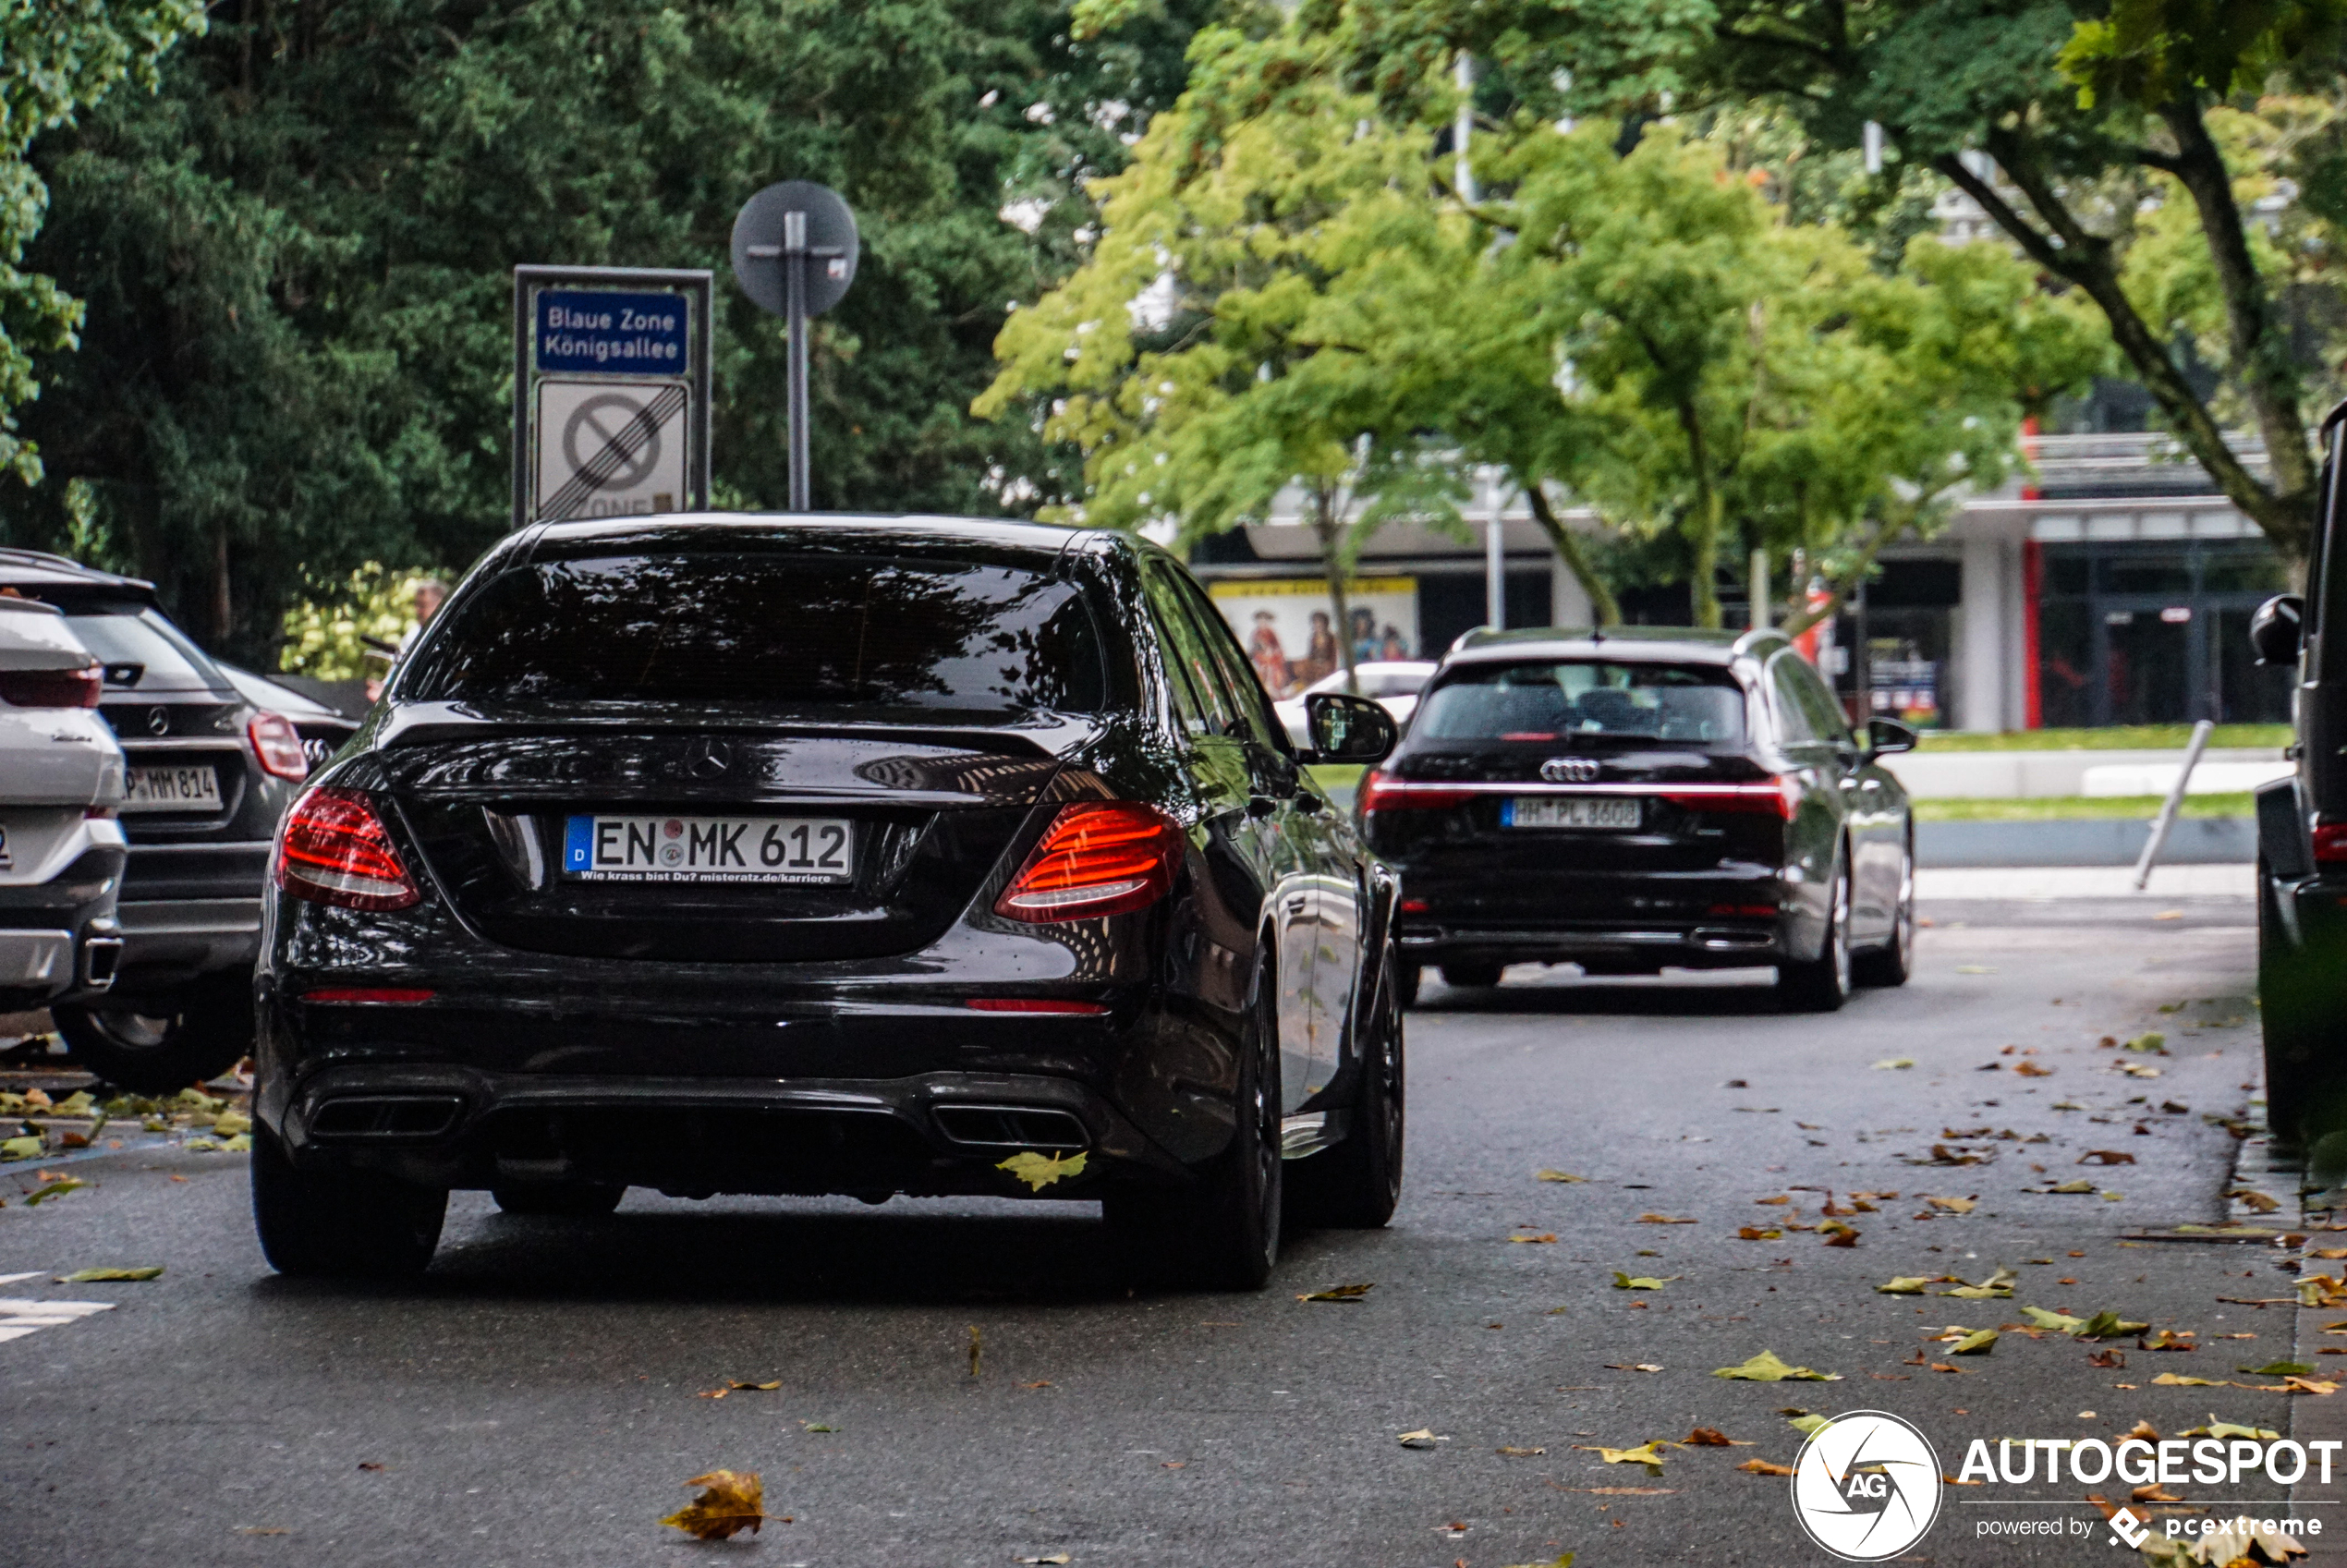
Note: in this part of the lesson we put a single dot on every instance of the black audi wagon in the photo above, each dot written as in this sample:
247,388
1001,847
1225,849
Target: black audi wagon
743,854
1644,798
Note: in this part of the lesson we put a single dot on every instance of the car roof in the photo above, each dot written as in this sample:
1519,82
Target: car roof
39,574
998,538
1642,645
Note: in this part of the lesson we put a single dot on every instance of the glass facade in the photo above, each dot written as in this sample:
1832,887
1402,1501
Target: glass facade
2156,633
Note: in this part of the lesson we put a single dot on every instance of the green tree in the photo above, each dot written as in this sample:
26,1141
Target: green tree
298,258
57,59
2089,124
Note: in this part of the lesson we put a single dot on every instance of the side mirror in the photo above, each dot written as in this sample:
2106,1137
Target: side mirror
1887,735
1345,728
2277,629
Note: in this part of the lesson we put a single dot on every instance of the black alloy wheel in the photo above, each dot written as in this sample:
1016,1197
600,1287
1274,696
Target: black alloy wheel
2302,1102
337,1224
1356,1184
1222,1233
198,1035
1822,984
1405,983
1891,964
569,1200
1472,977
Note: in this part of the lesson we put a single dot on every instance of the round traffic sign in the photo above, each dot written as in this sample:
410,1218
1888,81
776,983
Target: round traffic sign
612,429
759,235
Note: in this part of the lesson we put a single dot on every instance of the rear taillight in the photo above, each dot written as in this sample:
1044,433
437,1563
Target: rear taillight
1046,1005
370,996
1383,791
1779,797
336,850
51,688
278,744
1097,858
2330,841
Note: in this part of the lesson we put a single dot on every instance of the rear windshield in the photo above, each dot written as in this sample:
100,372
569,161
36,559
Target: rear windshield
795,630
1683,704
131,635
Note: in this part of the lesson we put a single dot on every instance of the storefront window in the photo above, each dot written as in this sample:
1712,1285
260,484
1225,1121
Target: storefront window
2142,633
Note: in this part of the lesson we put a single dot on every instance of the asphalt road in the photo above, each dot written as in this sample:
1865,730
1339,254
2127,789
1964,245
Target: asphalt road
540,1396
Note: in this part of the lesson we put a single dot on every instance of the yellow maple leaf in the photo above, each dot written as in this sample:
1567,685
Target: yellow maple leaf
1040,1171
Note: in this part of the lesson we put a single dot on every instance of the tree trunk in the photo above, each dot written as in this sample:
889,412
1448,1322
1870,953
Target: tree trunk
1330,535
2071,253
1703,570
1845,585
1603,609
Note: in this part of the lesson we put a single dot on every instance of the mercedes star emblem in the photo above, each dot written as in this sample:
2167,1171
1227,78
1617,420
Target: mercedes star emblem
158,721
707,759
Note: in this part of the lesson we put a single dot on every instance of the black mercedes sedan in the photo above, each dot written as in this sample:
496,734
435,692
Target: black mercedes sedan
1640,798
743,854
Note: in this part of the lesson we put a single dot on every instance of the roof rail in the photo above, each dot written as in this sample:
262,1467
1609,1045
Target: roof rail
1751,640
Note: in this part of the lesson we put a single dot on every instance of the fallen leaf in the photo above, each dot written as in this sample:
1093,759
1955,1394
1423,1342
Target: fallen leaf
1037,1383
1656,1282
2031,1070
2152,1494
1040,1171
55,1189
1842,1235
730,1501
2177,1381
1894,1063
1661,1220
1904,1284
2106,1157
1710,1437
100,1276
1423,1438
1563,1561
2257,1202
1974,969
1782,1198
978,1349
228,1124
1953,1205
2079,1185
1557,1176
1766,1367
2145,1430
1340,1293
2310,1385
1978,1342
1808,1424
1757,1232
1644,1454
1543,1239
2138,1070
25,1148
2152,1042
1763,1467
1056,1558
2279,1369
2107,1325
1944,1367
1996,1287
2108,1360
1520,1453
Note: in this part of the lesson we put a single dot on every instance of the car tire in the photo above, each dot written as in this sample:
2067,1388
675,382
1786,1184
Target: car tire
1356,1185
1406,984
209,1031
337,1224
1891,964
1472,977
1223,1232
2301,1105
1822,984
569,1200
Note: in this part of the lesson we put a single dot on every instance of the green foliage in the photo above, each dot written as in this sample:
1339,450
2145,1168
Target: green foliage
2147,52
57,58
341,638
298,258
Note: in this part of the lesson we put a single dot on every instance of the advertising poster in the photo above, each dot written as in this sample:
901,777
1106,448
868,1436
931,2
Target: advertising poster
1286,628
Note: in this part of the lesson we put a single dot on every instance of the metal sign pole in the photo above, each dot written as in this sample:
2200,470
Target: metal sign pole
794,280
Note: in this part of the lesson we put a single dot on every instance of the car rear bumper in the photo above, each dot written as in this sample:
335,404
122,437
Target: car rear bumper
1722,944
174,939
939,1133
1717,917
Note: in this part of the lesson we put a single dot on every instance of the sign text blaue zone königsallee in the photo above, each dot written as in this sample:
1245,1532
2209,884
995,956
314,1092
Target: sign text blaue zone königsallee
615,333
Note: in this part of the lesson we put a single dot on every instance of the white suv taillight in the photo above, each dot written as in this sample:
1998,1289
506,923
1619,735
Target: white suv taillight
336,850
278,744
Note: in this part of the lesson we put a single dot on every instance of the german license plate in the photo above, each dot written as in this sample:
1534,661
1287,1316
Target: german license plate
1610,813
710,850
174,789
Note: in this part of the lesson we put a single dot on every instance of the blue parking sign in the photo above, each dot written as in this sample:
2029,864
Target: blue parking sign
611,333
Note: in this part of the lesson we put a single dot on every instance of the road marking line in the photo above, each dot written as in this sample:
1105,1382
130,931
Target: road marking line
12,1279
20,1316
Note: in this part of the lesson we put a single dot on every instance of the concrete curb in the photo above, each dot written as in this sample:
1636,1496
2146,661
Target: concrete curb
2084,840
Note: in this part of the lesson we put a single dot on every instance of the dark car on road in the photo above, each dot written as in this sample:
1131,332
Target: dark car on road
803,855
2301,836
1641,798
210,772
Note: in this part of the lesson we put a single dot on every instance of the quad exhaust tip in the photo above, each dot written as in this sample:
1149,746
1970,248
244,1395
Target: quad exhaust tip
386,1116
1011,1127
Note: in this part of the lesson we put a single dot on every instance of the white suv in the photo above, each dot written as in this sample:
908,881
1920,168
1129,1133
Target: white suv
61,784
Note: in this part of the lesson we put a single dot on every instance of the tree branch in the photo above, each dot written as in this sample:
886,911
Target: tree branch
1603,608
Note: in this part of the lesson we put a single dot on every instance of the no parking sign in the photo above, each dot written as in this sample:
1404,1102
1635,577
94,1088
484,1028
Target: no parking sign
611,392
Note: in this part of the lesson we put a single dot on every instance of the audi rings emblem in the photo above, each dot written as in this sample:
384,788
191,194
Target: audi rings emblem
1569,769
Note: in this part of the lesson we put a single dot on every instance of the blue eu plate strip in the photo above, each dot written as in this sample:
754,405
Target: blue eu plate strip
579,843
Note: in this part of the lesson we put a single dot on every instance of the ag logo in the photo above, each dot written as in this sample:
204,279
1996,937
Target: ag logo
1865,1485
